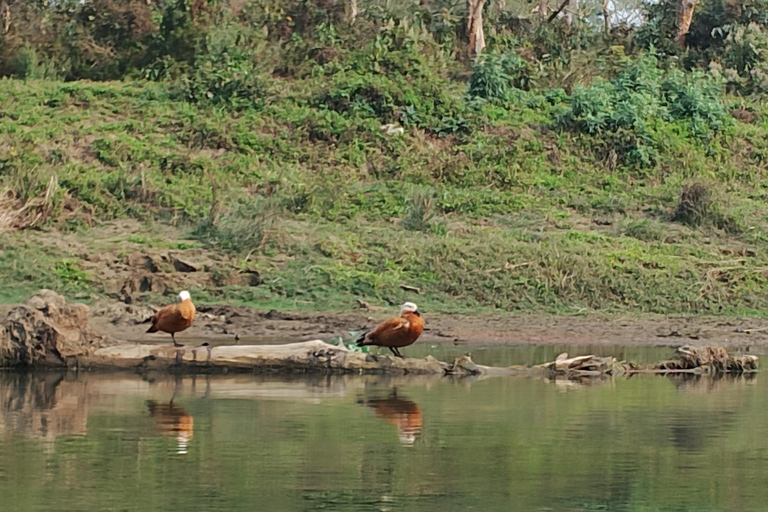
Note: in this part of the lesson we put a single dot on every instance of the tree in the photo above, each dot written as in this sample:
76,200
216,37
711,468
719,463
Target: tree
475,27
684,16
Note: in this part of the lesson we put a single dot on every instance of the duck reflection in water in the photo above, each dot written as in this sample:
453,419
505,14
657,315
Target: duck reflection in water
400,412
173,420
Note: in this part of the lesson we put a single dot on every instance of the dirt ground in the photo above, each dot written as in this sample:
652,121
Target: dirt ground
129,271
223,323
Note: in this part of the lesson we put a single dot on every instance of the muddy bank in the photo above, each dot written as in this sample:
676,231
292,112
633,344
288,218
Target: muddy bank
223,323
47,332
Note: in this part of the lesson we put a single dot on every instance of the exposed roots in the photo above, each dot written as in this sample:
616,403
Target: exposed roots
712,359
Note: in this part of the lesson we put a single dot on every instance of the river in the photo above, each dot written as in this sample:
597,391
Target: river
128,442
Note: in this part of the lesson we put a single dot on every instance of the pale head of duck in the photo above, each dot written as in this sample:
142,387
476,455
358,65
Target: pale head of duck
409,307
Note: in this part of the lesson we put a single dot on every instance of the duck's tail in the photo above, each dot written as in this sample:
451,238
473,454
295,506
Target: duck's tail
361,341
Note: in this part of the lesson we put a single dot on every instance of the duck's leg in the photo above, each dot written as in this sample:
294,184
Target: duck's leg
397,353
175,344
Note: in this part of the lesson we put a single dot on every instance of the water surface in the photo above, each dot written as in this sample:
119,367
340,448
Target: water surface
96,442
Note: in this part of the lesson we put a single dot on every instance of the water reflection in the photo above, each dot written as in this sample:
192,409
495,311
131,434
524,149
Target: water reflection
174,421
93,442
705,384
400,412
43,405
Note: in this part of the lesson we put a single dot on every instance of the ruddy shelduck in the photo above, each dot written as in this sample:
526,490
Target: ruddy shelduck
396,332
174,318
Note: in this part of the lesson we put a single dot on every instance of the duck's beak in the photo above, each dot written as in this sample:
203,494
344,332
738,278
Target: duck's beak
417,313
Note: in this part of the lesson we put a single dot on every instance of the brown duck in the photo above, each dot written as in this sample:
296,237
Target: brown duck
174,318
396,332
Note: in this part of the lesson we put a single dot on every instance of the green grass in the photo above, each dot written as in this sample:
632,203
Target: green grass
511,215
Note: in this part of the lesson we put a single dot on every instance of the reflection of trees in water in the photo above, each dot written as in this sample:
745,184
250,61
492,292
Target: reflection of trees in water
400,412
43,405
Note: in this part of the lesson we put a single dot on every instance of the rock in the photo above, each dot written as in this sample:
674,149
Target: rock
139,261
253,276
46,331
185,265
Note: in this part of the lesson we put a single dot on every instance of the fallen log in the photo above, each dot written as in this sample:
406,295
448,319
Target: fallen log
46,332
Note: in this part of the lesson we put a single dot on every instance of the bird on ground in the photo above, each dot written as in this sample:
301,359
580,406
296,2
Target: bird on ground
174,318
396,332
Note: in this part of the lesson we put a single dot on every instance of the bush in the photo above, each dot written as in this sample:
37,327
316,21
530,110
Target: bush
242,227
495,74
745,58
627,110
31,66
697,208
225,70
425,102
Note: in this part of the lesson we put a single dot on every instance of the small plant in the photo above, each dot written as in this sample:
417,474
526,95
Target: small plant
242,228
420,211
645,230
69,272
697,208
31,66
695,205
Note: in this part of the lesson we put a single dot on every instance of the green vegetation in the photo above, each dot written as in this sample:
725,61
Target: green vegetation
564,170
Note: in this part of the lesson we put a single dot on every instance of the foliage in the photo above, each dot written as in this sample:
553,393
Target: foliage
697,207
494,75
226,71
243,227
628,110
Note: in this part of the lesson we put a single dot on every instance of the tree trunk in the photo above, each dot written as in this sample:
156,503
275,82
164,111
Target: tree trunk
351,11
606,17
541,9
684,16
475,27
6,18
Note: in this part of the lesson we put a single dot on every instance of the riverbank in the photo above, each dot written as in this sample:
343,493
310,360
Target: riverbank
219,324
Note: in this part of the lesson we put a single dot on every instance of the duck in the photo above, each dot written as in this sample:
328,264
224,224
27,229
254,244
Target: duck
397,332
174,318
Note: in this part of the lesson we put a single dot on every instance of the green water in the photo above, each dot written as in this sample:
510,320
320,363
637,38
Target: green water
91,442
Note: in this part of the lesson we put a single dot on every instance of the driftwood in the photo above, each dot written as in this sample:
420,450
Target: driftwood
46,332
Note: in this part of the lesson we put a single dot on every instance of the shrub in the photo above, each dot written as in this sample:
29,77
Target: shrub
627,110
495,74
697,207
745,58
240,228
31,66
225,70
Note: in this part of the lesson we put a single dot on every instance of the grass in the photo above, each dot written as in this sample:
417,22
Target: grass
508,216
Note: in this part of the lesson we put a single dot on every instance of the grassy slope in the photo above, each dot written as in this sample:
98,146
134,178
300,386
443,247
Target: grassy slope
523,217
